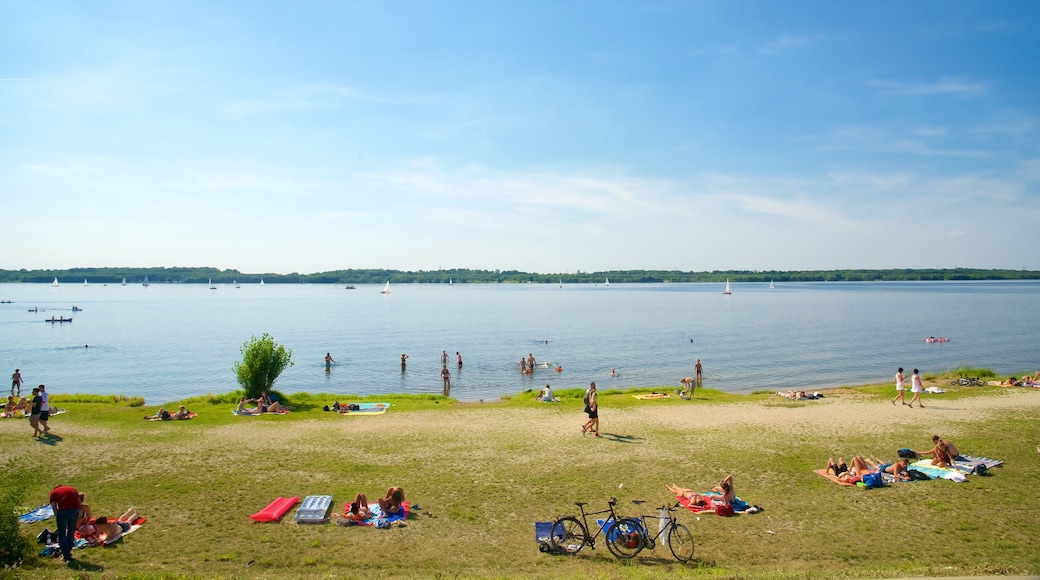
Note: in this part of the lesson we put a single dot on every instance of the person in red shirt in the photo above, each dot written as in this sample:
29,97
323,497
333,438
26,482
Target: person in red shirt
66,505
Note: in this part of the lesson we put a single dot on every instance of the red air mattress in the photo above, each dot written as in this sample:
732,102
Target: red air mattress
275,510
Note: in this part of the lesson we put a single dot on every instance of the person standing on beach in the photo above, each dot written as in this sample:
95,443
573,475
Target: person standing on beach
446,379
592,409
916,388
698,372
34,412
16,383
64,500
45,409
899,387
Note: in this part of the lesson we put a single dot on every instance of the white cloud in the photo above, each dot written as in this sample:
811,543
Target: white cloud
943,86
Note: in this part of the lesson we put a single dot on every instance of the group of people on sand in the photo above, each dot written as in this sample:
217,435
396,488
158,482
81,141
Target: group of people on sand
1023,381
264,404
389,504
943,454
915,387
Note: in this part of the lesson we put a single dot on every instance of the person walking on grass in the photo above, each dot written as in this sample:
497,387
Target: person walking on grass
916,388
592,409
899,387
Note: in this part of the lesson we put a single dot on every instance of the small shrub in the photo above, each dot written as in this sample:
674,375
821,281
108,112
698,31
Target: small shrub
15,480
262,361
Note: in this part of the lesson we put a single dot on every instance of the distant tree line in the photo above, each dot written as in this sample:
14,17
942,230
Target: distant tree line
466,276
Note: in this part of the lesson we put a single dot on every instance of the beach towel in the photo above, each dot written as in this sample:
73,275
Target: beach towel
191,415
275,510
37,515
363,408
738,505
378,519
652,396
969,462
925,467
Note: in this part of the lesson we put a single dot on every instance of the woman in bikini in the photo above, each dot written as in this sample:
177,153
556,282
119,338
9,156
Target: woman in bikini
359,509
391,504
107,530
727,494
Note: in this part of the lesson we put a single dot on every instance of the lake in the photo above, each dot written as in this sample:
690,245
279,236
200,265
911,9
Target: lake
170,341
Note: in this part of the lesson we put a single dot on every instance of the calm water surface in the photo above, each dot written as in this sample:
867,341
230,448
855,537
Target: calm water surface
167,342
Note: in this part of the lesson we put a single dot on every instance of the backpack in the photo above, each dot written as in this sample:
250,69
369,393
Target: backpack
907,453
916,475
873,480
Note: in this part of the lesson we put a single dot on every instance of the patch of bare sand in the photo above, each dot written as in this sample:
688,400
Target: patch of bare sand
843,411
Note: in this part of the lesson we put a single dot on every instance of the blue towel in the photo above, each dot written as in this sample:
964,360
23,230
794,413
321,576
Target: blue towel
37,515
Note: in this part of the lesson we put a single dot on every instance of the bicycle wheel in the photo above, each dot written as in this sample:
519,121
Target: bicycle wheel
680,542
568,535
625,538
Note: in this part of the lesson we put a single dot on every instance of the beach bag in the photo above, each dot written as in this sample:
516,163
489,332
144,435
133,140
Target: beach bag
907,453
873,480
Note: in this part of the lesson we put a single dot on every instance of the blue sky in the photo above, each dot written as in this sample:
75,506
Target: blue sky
541,136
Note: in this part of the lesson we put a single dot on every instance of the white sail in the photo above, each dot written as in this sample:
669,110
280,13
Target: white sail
261,281
145,282
450,282
607,281
727,291
386,289
85,282
55,283
211,285
124,281
771,286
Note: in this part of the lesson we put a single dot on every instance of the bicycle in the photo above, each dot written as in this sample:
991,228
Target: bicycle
627,537
967,382
569,535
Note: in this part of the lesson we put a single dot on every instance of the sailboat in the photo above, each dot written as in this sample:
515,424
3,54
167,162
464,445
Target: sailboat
261,281
55,283
606,281
771,286
386,289
727,291
450,282
145,283
124,281
235,282
85,282
211,285
561,282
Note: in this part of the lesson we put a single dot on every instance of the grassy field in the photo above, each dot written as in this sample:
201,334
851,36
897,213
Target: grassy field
482,474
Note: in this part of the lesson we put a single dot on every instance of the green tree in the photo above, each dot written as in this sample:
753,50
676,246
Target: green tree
262,361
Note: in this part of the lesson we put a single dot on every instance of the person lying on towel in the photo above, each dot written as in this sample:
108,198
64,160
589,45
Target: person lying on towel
724,488
107,530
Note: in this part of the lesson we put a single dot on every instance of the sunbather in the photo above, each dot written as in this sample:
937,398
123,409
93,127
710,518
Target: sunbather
359,509
843,472
181,413
107,531
391,504
243,410
943,452
897,469
727,494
